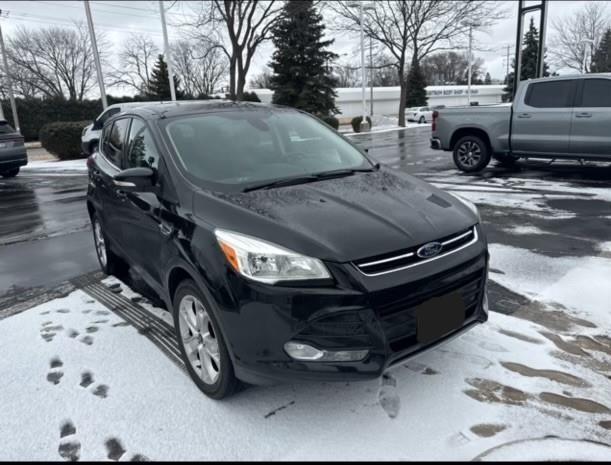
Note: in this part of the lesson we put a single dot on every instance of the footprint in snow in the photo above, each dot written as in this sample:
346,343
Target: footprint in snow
388,396
72,333
115,451
92,329
69,447
63,310
55,374
86,340
102,312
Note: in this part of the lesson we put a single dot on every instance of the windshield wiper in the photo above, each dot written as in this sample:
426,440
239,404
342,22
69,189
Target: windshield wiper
309,178
282,182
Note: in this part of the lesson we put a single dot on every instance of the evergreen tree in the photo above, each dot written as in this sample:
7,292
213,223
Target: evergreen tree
159,85
528,70
487,79
301,75
416,87
601,59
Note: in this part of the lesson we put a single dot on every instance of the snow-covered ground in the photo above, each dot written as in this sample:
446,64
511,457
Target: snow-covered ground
383,124
76,381
59,166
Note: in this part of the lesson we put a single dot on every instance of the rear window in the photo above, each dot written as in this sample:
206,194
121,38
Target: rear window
596,93
6,128
552,94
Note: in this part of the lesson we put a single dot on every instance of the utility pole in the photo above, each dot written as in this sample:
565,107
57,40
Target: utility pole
168,57
370,75
364,125
96,55
470,57
9,81
507,64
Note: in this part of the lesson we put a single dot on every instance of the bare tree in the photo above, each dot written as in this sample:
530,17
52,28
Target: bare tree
261,80
576,35
136,59
53,62
413,29
451,68
347,75
200,65
238,28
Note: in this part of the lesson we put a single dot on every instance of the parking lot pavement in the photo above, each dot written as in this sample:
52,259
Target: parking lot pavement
532,383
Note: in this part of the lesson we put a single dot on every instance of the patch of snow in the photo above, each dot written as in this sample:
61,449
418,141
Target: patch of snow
525,230
420,412
56,166
548,450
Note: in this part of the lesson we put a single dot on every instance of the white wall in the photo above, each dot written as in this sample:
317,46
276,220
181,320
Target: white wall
386,99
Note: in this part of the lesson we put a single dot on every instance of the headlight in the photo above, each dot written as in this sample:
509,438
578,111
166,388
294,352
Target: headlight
266,262
468,204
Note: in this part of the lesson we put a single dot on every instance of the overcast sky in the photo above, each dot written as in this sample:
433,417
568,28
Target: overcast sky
117,19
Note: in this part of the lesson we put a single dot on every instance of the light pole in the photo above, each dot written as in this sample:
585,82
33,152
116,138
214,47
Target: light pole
361,7
168,57
9,83
96,56
471,25
585,53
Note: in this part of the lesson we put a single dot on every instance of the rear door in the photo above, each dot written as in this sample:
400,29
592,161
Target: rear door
108,164
591,130
542,119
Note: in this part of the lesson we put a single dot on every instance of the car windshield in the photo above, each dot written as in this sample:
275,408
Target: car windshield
237,149
6,128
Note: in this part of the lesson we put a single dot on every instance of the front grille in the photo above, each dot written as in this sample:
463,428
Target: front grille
407,258
396,308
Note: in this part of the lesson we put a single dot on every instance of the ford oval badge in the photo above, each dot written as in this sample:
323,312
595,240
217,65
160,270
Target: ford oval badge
429,250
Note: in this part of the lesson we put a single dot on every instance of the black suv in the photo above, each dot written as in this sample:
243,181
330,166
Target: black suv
282,250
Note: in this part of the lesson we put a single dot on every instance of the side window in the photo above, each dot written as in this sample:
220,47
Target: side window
552,94
141,149
115,140
596,93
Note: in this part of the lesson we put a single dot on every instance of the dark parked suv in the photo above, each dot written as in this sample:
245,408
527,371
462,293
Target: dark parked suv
12,151
281,249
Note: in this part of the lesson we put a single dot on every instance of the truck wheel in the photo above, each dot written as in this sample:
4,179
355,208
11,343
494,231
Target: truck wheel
422,120
471,154
10,173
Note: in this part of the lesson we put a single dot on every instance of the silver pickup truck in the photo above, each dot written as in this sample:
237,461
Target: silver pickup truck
560,117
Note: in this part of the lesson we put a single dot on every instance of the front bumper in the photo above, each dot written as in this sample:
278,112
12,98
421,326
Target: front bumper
380,319
435,143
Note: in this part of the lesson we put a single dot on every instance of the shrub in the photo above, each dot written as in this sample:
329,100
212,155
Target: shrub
331,121
356,123
63,139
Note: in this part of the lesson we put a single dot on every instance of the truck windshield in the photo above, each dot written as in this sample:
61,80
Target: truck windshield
245,147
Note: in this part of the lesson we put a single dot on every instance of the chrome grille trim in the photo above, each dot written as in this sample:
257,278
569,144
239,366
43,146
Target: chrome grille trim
441,255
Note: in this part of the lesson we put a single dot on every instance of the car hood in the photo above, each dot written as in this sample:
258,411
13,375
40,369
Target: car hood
341,219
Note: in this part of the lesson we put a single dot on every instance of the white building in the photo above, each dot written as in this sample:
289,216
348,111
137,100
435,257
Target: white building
386,99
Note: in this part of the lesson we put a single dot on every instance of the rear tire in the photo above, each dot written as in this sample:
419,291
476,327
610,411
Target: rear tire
202,346
110,263
471,154
10,173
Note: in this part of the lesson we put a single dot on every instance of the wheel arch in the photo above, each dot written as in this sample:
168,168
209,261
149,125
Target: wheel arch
470,131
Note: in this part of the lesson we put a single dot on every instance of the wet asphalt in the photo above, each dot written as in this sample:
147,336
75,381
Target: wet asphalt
45,236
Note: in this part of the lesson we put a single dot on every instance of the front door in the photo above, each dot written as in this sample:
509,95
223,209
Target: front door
143,231
542,120
591,131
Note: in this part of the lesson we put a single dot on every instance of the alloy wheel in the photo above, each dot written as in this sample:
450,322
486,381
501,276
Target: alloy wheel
199,339
469,153
100,243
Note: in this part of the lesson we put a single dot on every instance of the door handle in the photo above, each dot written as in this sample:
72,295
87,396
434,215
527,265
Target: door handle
524,115
166,230
583,115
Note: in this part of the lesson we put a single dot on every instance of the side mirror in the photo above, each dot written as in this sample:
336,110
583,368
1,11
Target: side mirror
135,180
97,124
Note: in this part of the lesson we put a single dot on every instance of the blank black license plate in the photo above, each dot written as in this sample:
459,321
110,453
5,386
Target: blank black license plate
439,316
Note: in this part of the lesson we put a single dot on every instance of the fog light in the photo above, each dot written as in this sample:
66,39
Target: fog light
305,352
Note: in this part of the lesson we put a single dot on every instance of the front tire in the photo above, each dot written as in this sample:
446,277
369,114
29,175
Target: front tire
422,120
471,154
202,346
10,173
